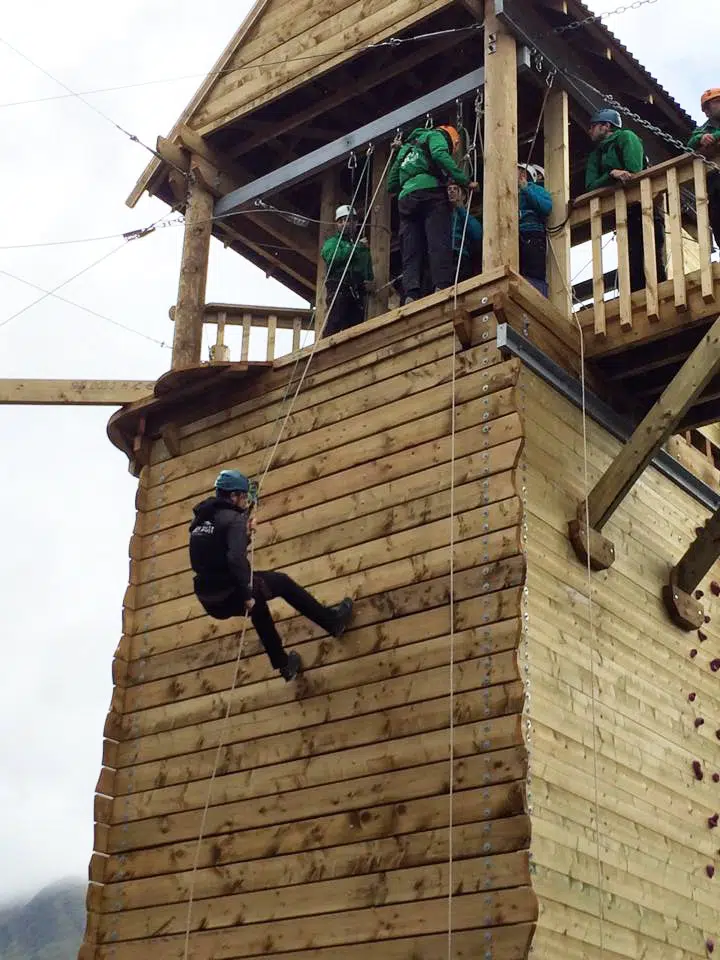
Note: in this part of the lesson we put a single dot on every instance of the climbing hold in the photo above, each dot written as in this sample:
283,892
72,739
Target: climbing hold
717,734
710,870
691,697
710,945
699,594
716,777
699,721
693,652
697,770
715,588
715,664
702,637
706,618
713,821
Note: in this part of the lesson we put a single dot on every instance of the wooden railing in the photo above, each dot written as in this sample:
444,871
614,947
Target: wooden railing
248,318
663,188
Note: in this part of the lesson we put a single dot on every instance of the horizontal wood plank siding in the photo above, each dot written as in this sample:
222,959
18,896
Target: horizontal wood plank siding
328,824
619,823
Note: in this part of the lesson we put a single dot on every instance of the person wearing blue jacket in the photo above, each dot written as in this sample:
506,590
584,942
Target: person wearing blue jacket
466,240
535,208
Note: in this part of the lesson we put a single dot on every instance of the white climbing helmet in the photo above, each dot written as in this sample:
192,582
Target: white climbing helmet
533,170
345,211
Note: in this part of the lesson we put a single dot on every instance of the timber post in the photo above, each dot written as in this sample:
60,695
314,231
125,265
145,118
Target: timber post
380,223
187,339
557,182
500,192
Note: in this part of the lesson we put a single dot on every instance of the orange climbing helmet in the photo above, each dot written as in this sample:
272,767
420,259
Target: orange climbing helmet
453,134
712,94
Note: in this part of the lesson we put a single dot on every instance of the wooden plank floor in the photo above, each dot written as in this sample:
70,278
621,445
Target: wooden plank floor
620,836
328,826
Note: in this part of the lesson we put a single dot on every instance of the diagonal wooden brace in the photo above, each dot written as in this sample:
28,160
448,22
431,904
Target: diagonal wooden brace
649,436
686,610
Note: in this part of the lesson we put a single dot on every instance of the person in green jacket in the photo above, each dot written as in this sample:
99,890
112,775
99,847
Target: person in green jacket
706,140
619,155
419,176
346,290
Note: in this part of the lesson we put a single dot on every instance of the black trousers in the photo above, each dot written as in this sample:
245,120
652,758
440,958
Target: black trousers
713,183
637,247
267,585
348,309
426,231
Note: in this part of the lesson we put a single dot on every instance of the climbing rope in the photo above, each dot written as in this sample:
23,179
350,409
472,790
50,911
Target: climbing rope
591,618
549,81
451,584
246,620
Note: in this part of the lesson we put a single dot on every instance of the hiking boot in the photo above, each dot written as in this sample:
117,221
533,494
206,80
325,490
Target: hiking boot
292,668
342,615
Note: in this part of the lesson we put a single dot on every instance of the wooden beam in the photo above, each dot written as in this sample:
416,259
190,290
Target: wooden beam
557,177
662,420
187,342
100,393
500,194
324,104
380,235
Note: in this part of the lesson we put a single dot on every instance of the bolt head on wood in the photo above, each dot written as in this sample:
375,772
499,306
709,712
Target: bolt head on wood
698,770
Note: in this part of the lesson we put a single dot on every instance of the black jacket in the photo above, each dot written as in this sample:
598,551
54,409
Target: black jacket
218,551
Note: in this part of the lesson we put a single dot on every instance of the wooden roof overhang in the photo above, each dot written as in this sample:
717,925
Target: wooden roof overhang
343,98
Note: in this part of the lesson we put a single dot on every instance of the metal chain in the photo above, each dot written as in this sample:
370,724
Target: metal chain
658,131
597,17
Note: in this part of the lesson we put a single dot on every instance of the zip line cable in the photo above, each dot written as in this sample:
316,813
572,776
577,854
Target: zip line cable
81,98
390,42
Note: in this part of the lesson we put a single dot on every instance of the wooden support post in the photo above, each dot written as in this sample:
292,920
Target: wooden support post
557,181
500,189
676,241
380,235
662,420
703,229
598,276
623,254
651,278
187,341
685,610
328,204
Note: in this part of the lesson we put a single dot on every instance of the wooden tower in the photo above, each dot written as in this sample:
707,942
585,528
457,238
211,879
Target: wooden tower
452,464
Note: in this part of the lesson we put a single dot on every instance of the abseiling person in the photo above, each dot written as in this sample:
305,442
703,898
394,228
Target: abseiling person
219,535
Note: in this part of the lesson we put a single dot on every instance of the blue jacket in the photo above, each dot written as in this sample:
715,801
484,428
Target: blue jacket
473,232
535,208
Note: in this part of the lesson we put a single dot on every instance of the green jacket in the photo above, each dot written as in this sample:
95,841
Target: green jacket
420,163
711,126
622,150
360,268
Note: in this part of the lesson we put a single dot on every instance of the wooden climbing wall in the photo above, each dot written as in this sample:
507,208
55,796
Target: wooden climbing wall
327,827
623,742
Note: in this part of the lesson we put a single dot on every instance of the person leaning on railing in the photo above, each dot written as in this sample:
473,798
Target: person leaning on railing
706,140
618,156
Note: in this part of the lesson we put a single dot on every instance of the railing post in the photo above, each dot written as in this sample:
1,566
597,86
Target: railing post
187,339
500,187
557,181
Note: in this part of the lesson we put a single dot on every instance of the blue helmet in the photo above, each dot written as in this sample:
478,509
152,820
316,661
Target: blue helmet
232,481
606,115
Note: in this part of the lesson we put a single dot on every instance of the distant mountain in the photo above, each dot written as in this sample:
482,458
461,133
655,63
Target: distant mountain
48,927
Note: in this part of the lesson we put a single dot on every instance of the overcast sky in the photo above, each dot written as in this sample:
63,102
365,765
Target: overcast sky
66,494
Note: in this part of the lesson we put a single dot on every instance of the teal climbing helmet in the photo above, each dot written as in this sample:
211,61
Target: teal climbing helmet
607,115
232,481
